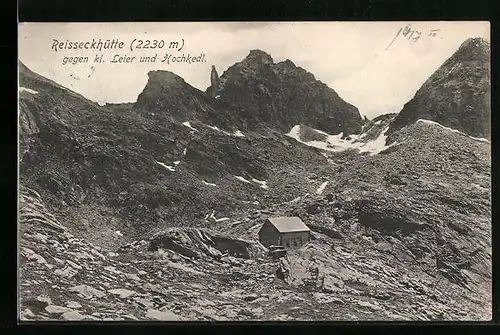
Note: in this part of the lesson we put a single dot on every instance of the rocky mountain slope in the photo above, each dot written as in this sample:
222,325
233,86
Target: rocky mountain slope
83,156
150,210
457,95
283,95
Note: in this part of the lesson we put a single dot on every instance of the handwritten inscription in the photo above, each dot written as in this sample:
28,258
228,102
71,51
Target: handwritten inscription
410,34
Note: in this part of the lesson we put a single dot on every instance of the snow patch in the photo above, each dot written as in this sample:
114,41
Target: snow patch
377,145
453,130
184,151
213,127
238,133
177,162
218,129
119,233
29,90
363,135
321,188
168,167
188,124
336,143
212,217
262,183
209,184
295,132
242,179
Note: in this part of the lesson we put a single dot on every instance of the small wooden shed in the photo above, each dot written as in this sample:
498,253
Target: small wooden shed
289,232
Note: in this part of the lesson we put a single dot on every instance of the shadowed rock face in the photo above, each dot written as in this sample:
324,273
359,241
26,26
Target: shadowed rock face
284,95
457,95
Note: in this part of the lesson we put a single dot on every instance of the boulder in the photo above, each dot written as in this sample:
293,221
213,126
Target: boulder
54,309
87,291
72,316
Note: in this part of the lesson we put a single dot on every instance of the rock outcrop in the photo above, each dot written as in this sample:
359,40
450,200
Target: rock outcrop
213,89
283,95
457,95
166,92
202,243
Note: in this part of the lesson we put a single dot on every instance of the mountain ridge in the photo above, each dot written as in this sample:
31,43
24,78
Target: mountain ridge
280,93
160,203
457,94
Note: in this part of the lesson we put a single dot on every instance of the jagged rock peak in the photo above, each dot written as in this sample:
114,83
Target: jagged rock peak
163,90
164,77
258,57
476,44
457,94
214,76
287,64
214,82
472,49
284,95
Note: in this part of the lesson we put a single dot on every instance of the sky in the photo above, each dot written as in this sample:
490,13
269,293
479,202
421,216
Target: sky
368,64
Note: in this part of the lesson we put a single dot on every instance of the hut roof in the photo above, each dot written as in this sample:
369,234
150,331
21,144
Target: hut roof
288,224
